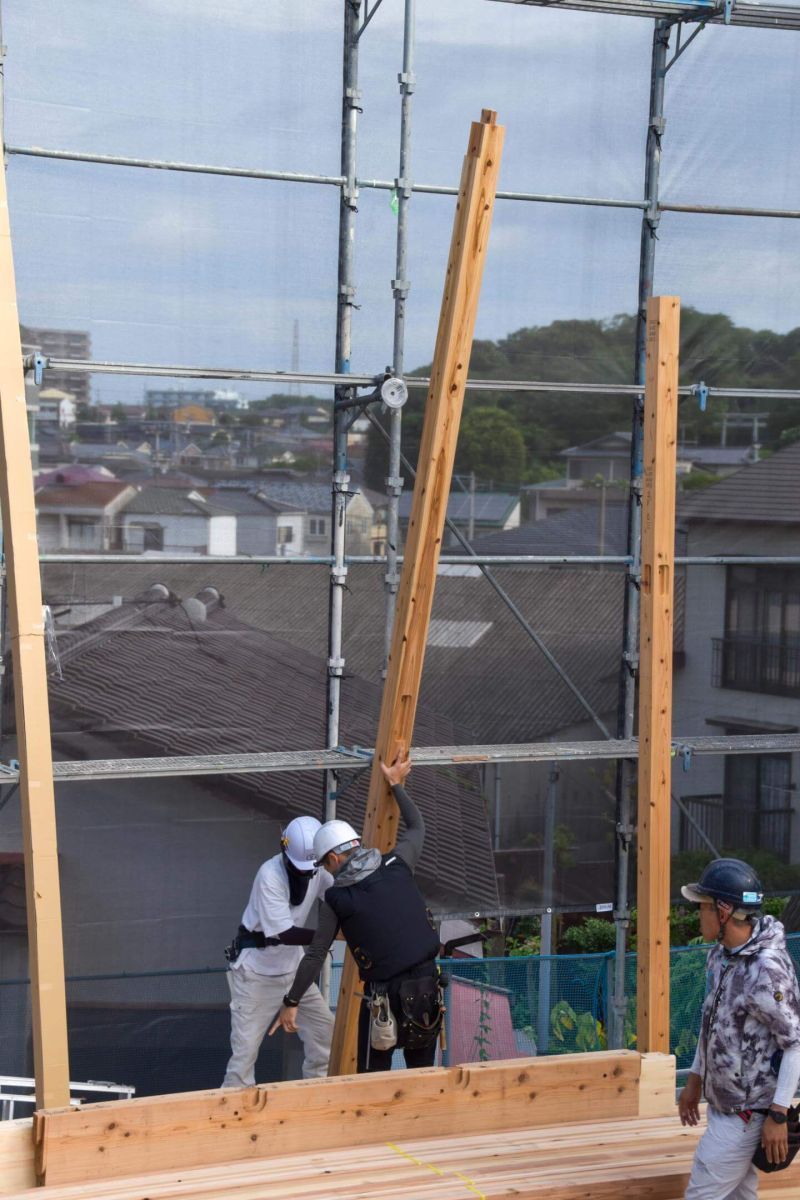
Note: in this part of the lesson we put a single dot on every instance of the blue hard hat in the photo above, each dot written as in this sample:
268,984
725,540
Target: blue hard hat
727,879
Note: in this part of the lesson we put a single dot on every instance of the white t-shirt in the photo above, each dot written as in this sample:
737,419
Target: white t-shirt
269,911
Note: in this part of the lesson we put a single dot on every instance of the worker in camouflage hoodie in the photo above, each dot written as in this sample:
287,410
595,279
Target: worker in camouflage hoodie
748,1053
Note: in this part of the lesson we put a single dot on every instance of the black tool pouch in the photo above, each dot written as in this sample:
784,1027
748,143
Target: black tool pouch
420,1010
793,1128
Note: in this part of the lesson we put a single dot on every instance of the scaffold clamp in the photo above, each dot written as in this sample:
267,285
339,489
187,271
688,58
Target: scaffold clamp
700,390
39,365
686,754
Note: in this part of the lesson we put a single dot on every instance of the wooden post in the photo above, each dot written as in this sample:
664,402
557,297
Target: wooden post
26,630
655,672
428,510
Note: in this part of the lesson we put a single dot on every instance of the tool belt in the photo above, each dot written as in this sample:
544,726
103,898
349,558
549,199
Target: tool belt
246,939
407,1011
793,1129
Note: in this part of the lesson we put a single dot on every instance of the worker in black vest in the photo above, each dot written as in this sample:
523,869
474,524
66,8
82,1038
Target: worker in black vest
382,915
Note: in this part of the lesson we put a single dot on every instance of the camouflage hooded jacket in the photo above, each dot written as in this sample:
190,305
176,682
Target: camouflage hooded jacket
751,1014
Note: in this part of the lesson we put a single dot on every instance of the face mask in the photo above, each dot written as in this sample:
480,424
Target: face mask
298,881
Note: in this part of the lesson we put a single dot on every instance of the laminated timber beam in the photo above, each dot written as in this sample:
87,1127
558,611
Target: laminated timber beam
27,637
655,672
459,309
179,1132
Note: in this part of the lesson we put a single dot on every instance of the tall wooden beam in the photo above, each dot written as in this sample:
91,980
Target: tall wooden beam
26,630
655,672
428,510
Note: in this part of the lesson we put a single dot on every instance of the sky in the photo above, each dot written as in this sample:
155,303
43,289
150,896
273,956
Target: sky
162,267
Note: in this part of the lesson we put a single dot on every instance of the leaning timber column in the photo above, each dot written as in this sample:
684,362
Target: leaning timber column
26,632
428,510
655,672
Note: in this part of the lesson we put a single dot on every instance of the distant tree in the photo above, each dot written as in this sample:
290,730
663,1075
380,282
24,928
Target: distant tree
119,413
490,444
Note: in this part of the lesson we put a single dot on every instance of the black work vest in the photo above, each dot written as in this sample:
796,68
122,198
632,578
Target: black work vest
384,920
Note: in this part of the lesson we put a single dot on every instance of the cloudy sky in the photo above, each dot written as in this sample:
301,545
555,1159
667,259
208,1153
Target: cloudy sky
184,268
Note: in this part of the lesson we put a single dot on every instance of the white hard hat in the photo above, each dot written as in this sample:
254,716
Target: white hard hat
334,835
298,842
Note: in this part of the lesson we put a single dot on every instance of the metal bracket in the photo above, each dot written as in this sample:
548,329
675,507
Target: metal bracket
340,481
404,187
700,390
686,753
658,125
394,484
407,81
336,667
392,579
400,288
339,575
357,751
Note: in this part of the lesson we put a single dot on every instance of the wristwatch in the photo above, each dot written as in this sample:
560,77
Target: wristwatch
780,1118
290,1001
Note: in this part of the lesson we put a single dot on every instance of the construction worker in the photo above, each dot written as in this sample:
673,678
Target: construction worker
748,1053
382,915
265,954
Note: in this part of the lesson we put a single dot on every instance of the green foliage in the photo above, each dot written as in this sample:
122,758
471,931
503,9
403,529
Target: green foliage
592,936
696,480
712,349
687,867
575,1032
491,444
526,938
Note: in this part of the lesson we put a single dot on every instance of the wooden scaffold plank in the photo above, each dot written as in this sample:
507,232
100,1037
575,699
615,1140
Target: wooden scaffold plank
428,510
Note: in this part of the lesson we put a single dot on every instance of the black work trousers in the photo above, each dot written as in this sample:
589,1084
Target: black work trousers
370,1059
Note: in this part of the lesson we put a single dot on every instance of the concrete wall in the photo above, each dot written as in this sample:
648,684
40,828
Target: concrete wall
256,534
222,535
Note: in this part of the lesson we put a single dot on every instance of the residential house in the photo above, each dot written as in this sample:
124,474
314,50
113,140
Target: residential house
166,520
191,415
155,871
81,516
742,672
56,408
483,512
314,500
263,526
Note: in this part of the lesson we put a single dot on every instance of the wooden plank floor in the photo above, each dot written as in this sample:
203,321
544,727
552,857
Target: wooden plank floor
644,1159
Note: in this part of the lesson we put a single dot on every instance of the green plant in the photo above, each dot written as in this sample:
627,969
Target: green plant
576,1032
592,936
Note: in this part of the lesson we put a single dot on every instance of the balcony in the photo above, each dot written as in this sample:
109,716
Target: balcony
756,665
766,825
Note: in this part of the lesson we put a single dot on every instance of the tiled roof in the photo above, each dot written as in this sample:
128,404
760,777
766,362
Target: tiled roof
576,531
766,492
500,689
248,503
302,497
97,494
161,501
148,679
494,507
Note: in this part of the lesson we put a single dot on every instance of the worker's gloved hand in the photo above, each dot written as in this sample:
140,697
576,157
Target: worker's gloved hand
689,1100
397,773
775,1140
286,1020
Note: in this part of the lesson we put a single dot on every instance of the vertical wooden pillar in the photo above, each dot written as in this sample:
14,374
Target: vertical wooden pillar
26,631
428,511
655,672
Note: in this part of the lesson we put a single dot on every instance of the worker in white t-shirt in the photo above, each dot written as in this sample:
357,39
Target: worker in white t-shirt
266,953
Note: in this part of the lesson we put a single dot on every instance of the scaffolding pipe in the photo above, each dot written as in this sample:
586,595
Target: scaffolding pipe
400,288
388,185
333,379
375,560
344,326
629,665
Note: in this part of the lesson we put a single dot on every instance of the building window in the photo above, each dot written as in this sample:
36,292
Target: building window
760,651
285,535
317,526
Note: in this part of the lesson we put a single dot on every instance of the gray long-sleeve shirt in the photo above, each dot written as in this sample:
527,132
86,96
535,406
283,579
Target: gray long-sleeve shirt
408,847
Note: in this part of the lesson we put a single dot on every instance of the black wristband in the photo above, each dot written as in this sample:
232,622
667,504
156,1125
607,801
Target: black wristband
780,1118
289,1001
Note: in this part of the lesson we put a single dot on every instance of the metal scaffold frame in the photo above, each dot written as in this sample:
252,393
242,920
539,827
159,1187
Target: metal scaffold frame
667,16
